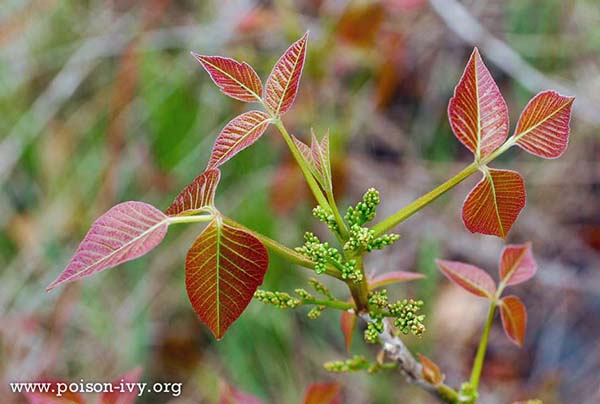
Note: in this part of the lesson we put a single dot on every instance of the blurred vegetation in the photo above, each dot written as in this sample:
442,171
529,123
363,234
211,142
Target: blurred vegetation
100,102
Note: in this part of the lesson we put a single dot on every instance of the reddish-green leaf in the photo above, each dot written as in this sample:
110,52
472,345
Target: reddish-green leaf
469,277
239,133
127,231
50,397
514,318
237,80
317,158
223,268
430,371
282,85
125,397
517,264
389,278
199,194
494,204
543,128
231,395
323,393
348,324
478,113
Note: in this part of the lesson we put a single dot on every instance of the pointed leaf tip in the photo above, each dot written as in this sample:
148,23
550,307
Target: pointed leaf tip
323,393
514,319
543,128
125,232
392,277
430,370
223,269
517,264
494,204
477,112
237,80
282,85
241,132
469,277
348,325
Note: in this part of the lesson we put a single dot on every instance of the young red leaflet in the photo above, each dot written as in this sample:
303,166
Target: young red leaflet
282,85
127,231
237,80
430,371
514,319
478,113
239,133
323,393
517,264
199,194
223,269
469,277
543,128
494,204
392,277
348,324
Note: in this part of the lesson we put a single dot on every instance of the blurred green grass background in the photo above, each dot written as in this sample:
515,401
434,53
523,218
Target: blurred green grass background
101,102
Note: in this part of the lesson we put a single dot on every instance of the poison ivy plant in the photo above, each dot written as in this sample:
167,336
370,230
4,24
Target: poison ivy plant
227,262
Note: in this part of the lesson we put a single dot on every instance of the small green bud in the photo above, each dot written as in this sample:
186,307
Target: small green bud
358,362
315,312
379,298
303,294
280,300
320,288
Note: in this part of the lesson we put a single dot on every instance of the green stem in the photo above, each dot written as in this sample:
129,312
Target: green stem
190,219
403,214
334,304
283,251
360,290
338,218
483,342
312,183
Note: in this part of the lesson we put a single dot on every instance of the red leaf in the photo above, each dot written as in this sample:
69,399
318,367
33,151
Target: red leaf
389,278
430,371
517,264
478,113
56,387
127,231
223,268
348,324
514,318
543,128
317,158
126,397
230,395
469,277
241,132
323,393
237,80
494,204
282,84
199,194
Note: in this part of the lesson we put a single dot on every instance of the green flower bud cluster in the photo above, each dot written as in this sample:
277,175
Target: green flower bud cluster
321,288
315,312
358,362
364,211
322,254
280,300
303,294
326,216
374,328
362,238
407,318
379,299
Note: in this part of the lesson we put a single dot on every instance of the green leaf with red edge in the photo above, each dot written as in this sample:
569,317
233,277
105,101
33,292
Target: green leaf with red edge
514,318
392,277
469,277
478,113
282,85
517,264
50,397
198,195
492,207
323,393
430,371
231,395
127,231
237,80
240,133
126,397
348,325
543,128
223,269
